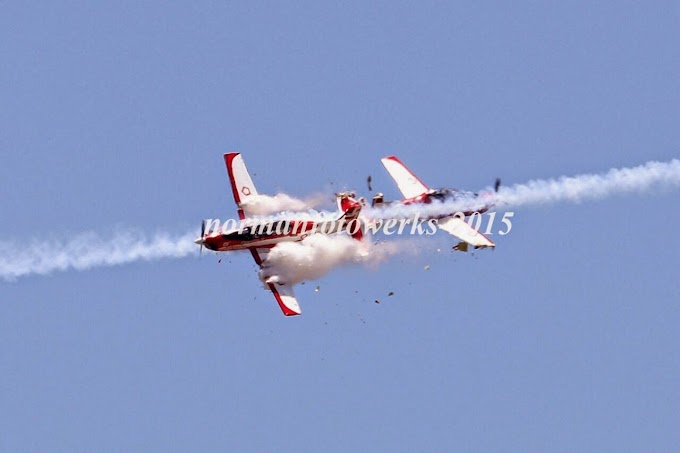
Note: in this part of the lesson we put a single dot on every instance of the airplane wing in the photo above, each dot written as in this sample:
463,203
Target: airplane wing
459,228
408,183
283,294
241,183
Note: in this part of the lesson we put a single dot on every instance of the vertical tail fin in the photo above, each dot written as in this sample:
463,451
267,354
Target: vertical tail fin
351,209
241,184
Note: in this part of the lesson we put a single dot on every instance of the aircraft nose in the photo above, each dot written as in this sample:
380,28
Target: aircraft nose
199,241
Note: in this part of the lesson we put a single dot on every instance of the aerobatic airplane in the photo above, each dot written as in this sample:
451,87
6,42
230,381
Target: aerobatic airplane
259,237
416,192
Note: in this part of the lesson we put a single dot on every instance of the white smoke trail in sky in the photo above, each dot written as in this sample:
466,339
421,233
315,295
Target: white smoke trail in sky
571,189
574,189
90,250
318,254
290,262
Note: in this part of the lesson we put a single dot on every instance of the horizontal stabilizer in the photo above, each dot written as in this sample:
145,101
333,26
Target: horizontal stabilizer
351,209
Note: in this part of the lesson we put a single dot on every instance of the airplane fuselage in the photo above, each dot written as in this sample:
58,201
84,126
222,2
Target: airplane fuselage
261,235
470,201
264,235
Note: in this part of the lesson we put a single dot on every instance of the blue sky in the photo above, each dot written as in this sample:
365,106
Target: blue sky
117,115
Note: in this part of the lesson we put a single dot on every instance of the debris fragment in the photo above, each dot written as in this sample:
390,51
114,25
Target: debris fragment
316,290
377,301
391,293
368,180
427,268
461,246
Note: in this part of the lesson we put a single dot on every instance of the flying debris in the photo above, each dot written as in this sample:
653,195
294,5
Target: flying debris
368,181
262,237
427,268
377,301
461,247
416,193
391,293
317,289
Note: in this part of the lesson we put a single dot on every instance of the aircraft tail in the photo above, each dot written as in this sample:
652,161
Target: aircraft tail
241,184
351,209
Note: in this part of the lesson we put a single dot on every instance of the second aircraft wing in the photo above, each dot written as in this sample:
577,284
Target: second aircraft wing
460,229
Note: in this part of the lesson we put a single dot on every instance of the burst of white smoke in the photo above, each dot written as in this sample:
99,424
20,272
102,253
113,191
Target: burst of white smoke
315,256
262,205
89,250
309,215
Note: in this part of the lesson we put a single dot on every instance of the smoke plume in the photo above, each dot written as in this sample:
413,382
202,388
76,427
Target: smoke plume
652,176
574,189
315,256
90,250
262,205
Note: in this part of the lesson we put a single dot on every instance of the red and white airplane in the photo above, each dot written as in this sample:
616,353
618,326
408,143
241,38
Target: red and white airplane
416,192
259,237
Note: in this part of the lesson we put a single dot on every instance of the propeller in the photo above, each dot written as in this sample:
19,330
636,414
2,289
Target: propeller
497,184
202,236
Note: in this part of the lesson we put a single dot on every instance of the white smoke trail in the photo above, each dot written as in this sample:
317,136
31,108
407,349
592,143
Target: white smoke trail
572,189
262,205
90,250
315,256
318,254
423,211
